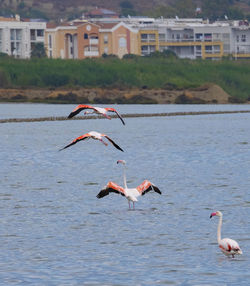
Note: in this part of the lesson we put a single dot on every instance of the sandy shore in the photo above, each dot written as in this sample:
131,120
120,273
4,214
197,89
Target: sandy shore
209,93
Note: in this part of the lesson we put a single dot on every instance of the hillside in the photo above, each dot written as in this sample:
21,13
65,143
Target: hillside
65,9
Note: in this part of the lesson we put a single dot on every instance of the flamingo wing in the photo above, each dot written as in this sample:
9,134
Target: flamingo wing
116,146
83,137
78,109
114,110
229,245
147,186
111,188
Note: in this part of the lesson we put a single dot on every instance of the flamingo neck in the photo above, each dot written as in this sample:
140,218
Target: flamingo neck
124,177
219,229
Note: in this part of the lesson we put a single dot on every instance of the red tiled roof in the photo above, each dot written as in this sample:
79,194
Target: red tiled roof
107,25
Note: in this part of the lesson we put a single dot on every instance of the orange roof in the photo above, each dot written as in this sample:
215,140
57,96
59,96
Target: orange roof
107,25
4,19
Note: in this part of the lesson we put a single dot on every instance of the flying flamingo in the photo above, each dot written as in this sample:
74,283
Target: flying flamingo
95,109
129,193
94,135
228,246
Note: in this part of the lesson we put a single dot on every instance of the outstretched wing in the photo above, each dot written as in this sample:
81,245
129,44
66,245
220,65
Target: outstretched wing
147,186
83,137
116,146
114,110
78,109
111,188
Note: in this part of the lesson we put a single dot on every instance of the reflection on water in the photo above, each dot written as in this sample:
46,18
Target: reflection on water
54,231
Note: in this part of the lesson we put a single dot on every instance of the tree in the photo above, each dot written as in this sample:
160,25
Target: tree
38,51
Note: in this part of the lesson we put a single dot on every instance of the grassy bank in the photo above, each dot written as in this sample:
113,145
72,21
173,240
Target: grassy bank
140,72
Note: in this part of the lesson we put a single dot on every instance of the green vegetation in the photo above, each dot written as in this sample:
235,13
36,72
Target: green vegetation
130,72
38,51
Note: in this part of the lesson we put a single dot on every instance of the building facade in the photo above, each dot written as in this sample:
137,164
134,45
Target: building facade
17,37
80,39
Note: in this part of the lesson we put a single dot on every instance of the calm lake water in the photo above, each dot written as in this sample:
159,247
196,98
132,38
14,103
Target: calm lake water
54,231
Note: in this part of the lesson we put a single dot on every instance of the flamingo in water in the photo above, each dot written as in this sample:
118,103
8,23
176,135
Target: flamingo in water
94,135
130,193
95,109
228,246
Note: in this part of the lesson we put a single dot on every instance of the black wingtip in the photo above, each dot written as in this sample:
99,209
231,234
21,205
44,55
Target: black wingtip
157,190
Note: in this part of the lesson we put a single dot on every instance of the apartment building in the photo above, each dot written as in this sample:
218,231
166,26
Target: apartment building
17,37
76,40
194,38
79,39
83,39
118,39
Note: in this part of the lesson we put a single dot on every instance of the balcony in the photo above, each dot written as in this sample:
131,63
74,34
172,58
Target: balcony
91,53
93,41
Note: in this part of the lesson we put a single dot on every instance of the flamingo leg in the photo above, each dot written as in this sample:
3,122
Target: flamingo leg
108,117
103,142
129,204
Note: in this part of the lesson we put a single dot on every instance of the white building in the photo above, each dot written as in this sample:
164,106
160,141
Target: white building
18,37
195,38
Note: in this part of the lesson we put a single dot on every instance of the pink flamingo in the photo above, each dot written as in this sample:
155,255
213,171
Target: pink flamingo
130,193
95,109
94,135
228,246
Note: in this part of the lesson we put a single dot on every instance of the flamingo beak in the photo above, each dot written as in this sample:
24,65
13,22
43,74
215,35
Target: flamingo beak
212,214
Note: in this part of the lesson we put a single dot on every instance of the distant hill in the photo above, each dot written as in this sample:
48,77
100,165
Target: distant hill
69,9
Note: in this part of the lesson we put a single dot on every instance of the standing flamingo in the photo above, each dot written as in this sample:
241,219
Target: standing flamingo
95,109
228,246
130,194
94,135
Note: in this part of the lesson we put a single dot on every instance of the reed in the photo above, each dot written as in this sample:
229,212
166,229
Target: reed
138,72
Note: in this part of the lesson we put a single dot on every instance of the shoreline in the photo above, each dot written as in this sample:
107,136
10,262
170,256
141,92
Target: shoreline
129,115
205,94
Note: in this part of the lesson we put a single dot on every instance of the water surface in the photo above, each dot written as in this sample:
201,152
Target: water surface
54,231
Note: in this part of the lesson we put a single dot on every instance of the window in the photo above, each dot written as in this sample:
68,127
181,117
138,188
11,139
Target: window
243,38
151,37
237,38
50,41
144,37
208,49
199,37
40,33
162,37
86,36
122,43
105,39
32,34
208,37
